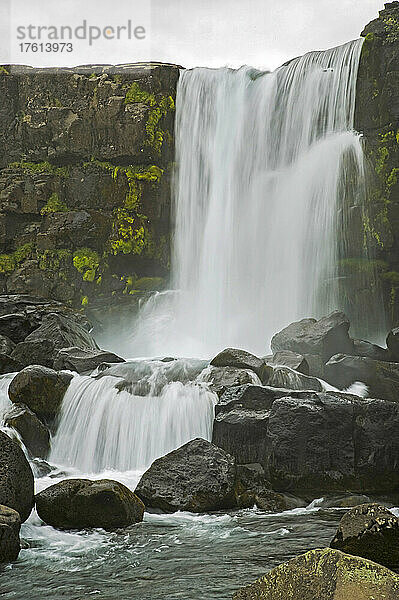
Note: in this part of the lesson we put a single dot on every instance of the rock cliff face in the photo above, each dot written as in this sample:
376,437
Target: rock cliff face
377,117
86,164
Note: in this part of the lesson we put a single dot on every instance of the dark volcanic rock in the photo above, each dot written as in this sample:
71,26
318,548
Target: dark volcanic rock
41,389
34,434
370,531
324,574
231,357
83,360
222,378
16,478
6,345
393,343
16,327
63,332
325,337
293,360
253,489
9,364
197,477
35,352
81,503
382,378
10,524
370,350
283,377
316,365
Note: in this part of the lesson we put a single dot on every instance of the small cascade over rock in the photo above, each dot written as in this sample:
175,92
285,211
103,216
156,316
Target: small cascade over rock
131,414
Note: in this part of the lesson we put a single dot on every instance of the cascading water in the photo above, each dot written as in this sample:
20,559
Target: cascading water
263,159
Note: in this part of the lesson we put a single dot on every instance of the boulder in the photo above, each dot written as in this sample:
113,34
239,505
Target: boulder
381,378
393,343
63,331
311,443
6,345
369,350
35,352
81,503
283,377
16,327
83,360
324,574
222,378
316,365
34,434
10,524
231,357
370,531
40,389
325,337
293,360
197,477
347,501
253,489
9,364
16,478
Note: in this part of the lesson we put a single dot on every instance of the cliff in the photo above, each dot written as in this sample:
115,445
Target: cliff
86,165
377,117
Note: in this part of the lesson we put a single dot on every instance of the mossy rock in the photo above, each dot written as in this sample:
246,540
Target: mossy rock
324,574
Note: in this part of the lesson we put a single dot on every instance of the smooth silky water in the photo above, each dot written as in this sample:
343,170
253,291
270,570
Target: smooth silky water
262,162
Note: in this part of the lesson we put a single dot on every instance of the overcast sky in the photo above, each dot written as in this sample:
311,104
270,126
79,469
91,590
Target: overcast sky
261,33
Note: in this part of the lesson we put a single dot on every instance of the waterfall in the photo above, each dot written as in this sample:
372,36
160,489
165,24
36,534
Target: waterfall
265,161
125,422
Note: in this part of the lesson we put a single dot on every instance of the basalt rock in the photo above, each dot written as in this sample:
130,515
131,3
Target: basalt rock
34,434
63,333
370,531
15,326
81,504
381,378
41,389
325,337
369,350
253,489
16,478
10,524
37,352
6,345
293,360
223,378
393,343
82,360
283,377
324,574
9,365
198,477
240,359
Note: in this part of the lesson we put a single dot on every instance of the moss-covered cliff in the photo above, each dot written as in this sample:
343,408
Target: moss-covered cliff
85,173
377,117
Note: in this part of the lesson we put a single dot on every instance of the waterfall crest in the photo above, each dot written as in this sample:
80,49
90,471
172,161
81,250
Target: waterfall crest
263,161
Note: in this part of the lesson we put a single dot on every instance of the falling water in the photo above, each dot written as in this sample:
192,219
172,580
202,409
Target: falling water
263,161
126,420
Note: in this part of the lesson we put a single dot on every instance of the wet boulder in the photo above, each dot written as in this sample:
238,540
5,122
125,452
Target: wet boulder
81,504
324,574
370,531
16,478
9,365
283,377
6,345
325,337
369,350
10,524
240,359
33,432
293,360
15,326
316,365
40,389
63,331
222,378
253,489
381,378
34,352
83,360
393,343
197,477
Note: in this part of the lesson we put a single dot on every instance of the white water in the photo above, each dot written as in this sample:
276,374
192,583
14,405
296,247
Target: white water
103,428
263,162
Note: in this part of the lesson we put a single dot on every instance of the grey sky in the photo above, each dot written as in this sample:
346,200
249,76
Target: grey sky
262,33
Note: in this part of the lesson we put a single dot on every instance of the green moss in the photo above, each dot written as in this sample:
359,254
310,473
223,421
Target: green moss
362,265
9,262
85,301
54,204
392,277
136,94
38,168
3,70
86,261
